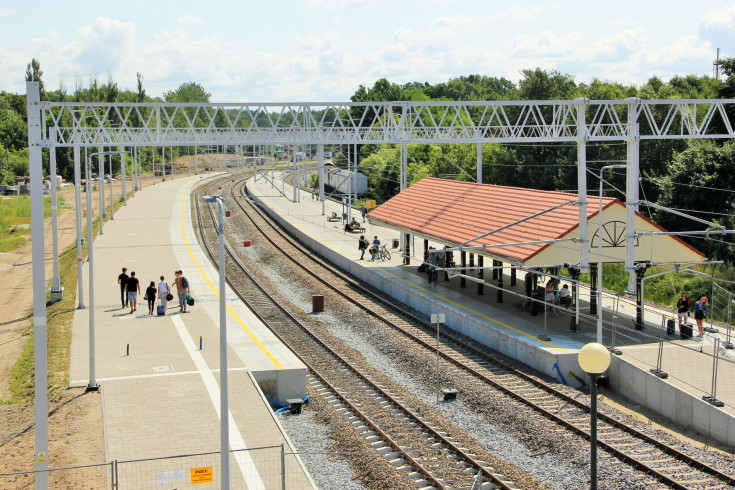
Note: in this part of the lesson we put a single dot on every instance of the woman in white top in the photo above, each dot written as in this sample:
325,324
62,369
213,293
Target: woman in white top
163,291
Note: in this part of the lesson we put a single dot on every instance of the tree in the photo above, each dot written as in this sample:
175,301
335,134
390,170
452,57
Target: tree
187,92
700,181
13,130
539,84
140,97
728,66
34,74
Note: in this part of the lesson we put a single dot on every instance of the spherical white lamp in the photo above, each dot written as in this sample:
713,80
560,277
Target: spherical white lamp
594,358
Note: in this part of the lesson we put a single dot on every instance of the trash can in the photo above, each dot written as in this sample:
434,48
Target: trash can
317,303
396,243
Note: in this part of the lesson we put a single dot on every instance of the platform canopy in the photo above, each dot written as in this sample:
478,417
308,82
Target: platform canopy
456,213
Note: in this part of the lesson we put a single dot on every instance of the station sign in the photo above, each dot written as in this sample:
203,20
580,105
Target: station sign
202,475
370,203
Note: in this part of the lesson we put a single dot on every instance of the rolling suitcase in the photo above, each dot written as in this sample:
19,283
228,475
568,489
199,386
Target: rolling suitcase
160,310
685,330
670,327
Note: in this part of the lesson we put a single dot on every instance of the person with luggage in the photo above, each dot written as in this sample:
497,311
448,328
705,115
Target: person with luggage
122,280
682,309
150,295
164,293
362,245
700,312
182,289
132,288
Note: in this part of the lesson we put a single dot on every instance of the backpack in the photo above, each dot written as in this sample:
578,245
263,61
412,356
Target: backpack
184,283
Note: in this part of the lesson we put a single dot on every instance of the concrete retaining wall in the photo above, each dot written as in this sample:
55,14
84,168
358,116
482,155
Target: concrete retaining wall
625,378
670,401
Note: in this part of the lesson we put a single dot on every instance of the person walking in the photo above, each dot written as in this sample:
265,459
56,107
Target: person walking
150,294
122,280
431,262
700,312
132,287
363,212
362,245
182,289
163,292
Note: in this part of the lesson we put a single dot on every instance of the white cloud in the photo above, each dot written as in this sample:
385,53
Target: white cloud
343,4
724,17
517,14
6,13
458,23
189,20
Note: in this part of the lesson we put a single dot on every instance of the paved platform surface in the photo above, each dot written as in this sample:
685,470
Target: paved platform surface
688,363
163,398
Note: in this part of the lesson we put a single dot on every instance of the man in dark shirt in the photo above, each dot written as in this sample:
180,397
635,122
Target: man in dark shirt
122,280
132,287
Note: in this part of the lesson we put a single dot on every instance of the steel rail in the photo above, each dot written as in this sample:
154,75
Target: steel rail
416,418
679,455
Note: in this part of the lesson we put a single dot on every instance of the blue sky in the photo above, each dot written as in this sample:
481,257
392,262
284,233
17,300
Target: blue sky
321,50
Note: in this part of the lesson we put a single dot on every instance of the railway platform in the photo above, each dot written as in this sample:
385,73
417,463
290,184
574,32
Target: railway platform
508,328
159,375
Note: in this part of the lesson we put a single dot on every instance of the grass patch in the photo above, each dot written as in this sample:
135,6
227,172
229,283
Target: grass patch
15,219
667,288
59,322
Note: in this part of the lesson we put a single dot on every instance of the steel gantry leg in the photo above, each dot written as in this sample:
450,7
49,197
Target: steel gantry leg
631,193
33,104
582,181
78,210
320,163
56,289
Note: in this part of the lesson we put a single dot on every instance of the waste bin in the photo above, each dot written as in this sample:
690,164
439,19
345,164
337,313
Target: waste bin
317,303
395,243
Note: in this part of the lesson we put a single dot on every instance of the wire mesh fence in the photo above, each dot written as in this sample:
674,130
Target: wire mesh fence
75,477
270,467
701,368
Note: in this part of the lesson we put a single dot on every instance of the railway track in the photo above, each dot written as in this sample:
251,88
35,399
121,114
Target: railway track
667,466
423,454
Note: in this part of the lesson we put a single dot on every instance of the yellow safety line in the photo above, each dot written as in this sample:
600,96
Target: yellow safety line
216,293
403,280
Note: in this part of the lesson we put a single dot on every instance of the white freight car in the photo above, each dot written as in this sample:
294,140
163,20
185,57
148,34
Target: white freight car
344,182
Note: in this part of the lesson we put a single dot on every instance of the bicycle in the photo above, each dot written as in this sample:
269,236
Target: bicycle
384,253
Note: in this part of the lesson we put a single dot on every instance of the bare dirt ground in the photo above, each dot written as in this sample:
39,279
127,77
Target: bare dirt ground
75,417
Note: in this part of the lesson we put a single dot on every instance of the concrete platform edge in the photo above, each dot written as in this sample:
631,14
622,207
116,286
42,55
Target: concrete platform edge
694,412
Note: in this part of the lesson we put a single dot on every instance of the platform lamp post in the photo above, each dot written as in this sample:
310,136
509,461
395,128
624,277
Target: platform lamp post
92,385
224,410
594,359
599,256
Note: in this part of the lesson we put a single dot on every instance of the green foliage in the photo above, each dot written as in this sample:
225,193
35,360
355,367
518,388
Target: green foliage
34,73
15,219
703,164
187,92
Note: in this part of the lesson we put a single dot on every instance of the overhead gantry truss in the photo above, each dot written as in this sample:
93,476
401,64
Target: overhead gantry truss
163,124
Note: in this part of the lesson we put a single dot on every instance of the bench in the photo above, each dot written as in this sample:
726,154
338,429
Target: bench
358,229
334,218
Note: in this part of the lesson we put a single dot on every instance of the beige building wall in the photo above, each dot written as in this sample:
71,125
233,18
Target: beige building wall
656,249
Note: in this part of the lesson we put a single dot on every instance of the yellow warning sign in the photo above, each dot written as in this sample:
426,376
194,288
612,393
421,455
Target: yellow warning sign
202,475
41,457
370,203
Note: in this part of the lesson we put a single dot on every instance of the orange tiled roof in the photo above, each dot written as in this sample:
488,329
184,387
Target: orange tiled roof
455,212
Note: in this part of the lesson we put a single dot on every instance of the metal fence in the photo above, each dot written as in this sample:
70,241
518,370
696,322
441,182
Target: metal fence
270,467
